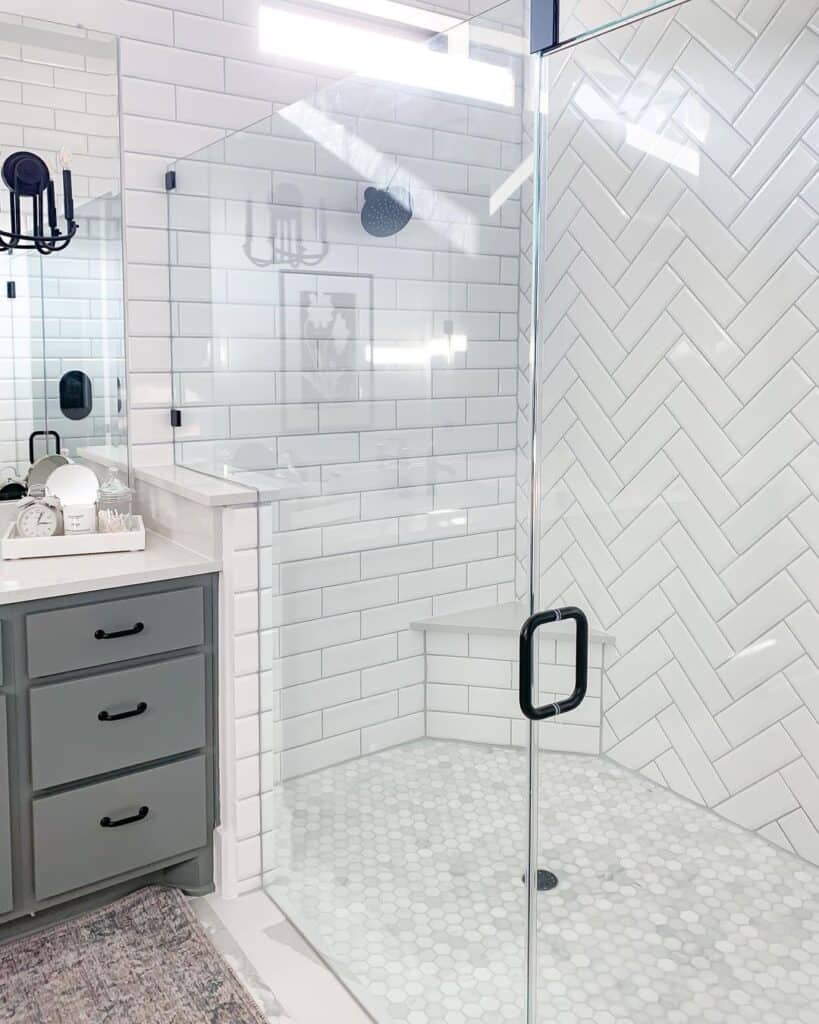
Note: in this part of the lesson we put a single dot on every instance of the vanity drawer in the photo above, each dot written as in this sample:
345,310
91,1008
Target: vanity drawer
73,848
109,631
149,712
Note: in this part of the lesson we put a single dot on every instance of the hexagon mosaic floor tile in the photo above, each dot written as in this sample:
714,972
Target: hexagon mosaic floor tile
404,870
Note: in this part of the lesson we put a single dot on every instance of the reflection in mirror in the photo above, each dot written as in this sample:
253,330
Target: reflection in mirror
76,395
62,343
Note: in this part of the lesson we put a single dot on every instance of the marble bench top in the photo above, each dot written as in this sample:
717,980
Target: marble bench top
499,620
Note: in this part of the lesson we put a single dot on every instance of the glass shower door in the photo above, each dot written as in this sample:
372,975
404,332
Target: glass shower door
674,503
371,381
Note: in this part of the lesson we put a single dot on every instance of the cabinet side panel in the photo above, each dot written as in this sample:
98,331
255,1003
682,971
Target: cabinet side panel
5,815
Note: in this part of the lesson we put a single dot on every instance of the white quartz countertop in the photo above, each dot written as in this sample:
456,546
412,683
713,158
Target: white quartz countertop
29,579
500,620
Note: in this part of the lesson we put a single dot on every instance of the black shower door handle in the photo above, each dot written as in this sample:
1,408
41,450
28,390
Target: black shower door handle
527,654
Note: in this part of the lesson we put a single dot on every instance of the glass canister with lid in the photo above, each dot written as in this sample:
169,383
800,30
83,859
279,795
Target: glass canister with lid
115,503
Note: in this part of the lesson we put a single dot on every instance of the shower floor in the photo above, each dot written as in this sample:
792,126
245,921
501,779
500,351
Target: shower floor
404,870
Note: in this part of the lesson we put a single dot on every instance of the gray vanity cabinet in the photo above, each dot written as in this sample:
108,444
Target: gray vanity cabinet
107,747
6,901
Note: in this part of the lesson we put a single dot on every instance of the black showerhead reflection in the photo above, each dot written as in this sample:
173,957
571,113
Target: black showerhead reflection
386,211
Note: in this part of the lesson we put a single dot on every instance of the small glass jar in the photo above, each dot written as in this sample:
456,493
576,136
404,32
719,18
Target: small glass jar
115,501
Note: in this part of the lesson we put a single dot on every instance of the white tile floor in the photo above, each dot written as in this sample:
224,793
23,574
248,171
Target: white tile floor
289,982
404,869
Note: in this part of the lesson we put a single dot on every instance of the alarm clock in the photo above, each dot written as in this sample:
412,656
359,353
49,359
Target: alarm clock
39,517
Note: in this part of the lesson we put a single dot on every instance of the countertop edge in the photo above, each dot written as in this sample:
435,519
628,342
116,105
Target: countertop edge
184,563
195,486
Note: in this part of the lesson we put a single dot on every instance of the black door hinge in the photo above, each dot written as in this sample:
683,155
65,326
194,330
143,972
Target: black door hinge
170,181
11,290
176,417
544,25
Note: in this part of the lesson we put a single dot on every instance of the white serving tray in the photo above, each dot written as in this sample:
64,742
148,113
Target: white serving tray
12,546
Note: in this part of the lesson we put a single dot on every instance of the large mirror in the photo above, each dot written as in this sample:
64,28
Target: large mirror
62,338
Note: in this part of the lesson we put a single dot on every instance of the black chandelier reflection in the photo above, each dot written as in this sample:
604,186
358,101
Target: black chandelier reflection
286,235
26,176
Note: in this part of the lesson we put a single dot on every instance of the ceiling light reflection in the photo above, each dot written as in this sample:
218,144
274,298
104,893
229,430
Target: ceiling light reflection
446,348
382,56
678,153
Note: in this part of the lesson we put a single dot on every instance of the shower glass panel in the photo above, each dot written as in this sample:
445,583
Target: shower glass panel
393,842
350,305
677,447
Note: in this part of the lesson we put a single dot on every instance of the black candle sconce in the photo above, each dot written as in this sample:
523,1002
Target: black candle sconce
26,176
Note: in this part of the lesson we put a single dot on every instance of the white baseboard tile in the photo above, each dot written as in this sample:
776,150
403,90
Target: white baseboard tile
248,858
392,734
447,697
360,713
560,737
322,754
471,728
411,699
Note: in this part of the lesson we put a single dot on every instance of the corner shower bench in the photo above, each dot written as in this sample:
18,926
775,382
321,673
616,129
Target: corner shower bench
472,679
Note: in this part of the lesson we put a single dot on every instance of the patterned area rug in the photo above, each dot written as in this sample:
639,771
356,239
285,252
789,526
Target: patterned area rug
142,960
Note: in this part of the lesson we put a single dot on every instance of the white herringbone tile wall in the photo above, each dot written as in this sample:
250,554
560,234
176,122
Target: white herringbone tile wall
681,396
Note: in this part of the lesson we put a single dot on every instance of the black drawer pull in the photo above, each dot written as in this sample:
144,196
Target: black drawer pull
140,815
100,634
140,709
